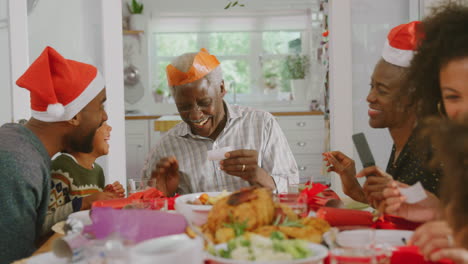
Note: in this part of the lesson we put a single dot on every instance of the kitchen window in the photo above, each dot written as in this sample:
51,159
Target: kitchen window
254,59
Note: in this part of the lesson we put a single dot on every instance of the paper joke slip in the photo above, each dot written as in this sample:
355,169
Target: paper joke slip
414,193
218,154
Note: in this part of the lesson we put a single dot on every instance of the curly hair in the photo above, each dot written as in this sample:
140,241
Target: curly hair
445,40
450,139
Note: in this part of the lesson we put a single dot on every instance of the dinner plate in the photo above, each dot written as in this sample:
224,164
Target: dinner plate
319,253
198,214
45,258
83,216
175,249
362,237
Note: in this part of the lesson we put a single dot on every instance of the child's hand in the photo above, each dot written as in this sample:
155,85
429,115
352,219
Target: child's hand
115,188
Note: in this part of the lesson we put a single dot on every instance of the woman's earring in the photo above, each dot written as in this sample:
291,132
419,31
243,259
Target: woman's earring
439,109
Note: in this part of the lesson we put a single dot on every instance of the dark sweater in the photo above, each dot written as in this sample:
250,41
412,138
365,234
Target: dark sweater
24,191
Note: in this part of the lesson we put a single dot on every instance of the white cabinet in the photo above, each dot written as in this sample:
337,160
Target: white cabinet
137,146
306,137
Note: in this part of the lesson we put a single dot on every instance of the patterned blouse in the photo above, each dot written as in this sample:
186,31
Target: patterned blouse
411,165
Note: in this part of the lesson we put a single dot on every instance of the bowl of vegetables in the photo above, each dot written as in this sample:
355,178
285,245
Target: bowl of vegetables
253,248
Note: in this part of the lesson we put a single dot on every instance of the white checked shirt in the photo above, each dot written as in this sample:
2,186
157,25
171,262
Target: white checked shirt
246,128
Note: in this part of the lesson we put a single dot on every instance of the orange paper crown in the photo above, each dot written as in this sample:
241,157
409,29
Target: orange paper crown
203,63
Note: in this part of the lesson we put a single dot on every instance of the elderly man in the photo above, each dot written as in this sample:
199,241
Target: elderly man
67,100
178,162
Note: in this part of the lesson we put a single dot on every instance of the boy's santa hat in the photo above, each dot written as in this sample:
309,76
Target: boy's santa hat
402,42
60,88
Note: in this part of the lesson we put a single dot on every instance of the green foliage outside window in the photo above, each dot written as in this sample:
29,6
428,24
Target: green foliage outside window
174,44
229,43
237,71
277,42
233,49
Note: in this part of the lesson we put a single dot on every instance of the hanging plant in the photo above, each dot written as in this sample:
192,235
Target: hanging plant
233,3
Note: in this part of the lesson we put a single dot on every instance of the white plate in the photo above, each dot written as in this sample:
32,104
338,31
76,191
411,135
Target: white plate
46,258
83,216
320,252
360,238
198,214
169,249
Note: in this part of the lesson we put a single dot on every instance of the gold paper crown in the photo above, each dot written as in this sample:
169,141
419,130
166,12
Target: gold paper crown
203,63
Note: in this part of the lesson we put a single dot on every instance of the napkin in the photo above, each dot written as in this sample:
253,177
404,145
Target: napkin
135,225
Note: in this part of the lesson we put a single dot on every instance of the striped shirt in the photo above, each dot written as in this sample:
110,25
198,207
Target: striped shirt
246,128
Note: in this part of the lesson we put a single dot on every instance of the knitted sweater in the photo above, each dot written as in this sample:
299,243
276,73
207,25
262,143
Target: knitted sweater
24,191
70,183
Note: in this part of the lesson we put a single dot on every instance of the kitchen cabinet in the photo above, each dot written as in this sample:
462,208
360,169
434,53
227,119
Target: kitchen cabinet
306,138
137,145
305,135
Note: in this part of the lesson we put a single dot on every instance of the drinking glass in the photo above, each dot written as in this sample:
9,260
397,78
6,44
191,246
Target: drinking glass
295,201
134,186
371,255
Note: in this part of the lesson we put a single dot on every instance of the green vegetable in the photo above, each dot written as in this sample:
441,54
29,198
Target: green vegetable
239,228
277,235
224,253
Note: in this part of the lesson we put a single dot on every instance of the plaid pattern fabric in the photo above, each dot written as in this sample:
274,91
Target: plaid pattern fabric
246,128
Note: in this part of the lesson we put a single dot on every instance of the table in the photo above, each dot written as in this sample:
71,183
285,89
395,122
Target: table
47,246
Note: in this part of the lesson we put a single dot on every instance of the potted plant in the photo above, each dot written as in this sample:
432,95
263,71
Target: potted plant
159,95
137,19
296,68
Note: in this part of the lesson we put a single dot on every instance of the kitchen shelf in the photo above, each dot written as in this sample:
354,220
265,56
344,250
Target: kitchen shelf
133,32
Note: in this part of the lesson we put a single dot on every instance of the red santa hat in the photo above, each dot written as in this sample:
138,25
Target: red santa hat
60,88
401,43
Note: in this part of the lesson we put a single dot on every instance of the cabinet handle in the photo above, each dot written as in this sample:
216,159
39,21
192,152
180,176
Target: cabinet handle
301,124
139,146
301,143
302,168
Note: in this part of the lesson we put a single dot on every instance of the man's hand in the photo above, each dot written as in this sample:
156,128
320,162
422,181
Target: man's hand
345,167
432,236
376,182
99,196
423,211
243,163
167,175
115,188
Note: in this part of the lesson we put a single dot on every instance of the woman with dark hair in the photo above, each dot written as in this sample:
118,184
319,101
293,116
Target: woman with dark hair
439,77
439,70
389,108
